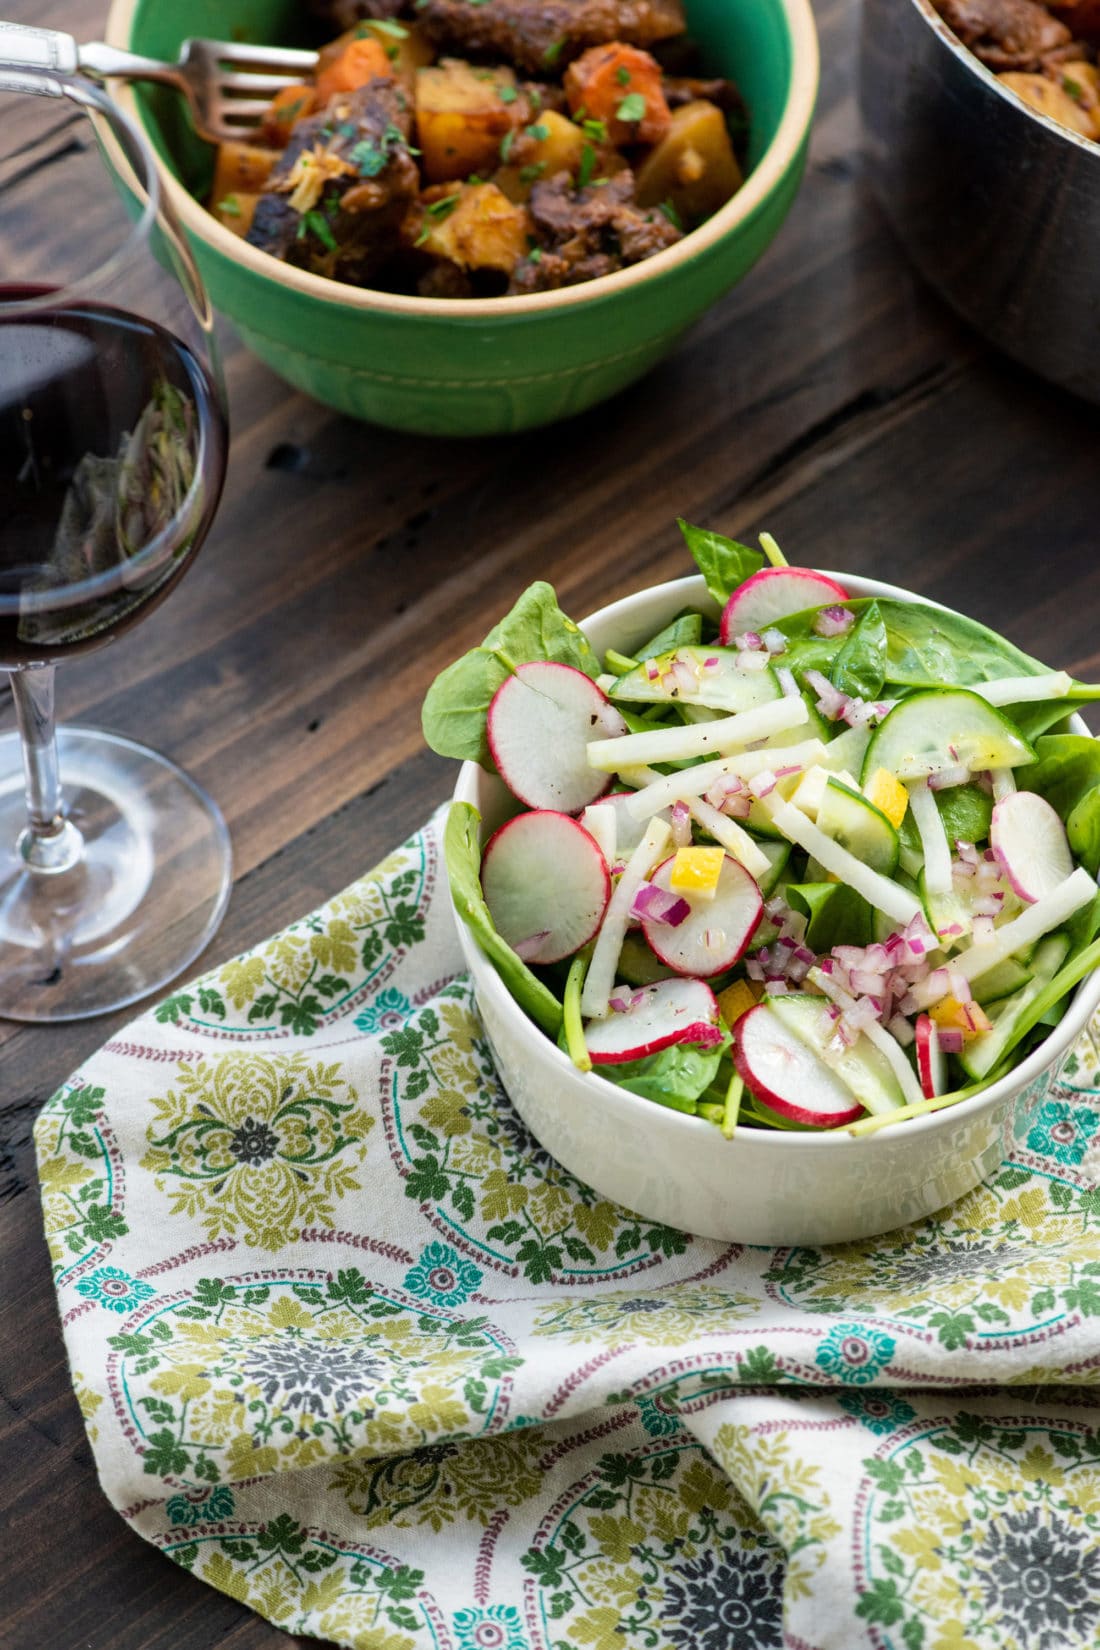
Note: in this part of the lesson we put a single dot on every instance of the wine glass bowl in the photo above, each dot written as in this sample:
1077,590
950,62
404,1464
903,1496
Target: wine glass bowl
114,869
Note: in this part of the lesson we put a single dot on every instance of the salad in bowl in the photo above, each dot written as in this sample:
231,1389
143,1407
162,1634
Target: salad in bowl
774,860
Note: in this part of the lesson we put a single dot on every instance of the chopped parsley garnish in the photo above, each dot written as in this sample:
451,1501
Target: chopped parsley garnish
393,137
386,25
1073,87
539,132
595,129
553,51
632,107
535,99
508,94
369,159
586,167
670,212
348,129
531,174
290,111
318,223
535,254
230,207
444,207
507,143
622,75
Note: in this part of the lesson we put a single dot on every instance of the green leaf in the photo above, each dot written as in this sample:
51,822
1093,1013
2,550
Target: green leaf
539,1260
168,1012
758,1367
912,1634
282,1535
888,1475
548,1566
462,852
954,1327
836,914
102,1224
401,1616
348,1285
860,665
723,562
881,1603
890,1561
673,1077
427,1182
1083,1297
686,630
402,1582
84,1105
164,1454
455,708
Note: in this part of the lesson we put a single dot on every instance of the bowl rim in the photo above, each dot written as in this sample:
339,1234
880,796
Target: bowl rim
773,165
945,34
1083,1003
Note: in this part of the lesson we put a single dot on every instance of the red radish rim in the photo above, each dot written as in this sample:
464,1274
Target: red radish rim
793,1114
507,824
492,743
686,974
657,605
766,574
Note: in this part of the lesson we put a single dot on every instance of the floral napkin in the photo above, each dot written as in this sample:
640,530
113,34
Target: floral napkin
353,1349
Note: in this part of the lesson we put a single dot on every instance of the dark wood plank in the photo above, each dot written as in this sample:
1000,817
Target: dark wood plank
830,398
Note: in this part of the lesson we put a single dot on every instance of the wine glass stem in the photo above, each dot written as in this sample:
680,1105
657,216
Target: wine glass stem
50,843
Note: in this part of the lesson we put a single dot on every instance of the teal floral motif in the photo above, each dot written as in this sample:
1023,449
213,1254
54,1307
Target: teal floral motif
114,1289
879,1412
1063,1130
385,1012
201,1506
440,1277
497,1628
854,1354
81,1188
657,1420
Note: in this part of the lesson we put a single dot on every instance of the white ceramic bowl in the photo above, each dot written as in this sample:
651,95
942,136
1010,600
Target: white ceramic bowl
761,1187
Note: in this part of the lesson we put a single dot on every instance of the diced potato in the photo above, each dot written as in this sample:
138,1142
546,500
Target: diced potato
621,86
349,63
1082,83
235,211
284,112
241,169
694,166
472,225
463,114
1048,98
561,150
405,44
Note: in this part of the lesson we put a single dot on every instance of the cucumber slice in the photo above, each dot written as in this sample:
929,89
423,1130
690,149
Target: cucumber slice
815,727
982,1054
777,852
1008,977
638,965
931,732
944,911
847,751
723,687
859,826
861,1068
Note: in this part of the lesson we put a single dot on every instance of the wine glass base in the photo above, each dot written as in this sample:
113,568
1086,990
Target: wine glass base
147,896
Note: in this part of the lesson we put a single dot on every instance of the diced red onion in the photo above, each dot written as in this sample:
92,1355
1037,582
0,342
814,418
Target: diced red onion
680,820
786,681
657,905
712,663
763,784
748,641
774,640
623,999
751,662
754,968
951,1040
830,702
777,988
985,780
900,1029
833,621
775,908
652,670
738,807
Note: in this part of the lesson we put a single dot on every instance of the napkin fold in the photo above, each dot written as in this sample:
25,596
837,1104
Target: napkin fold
353,1349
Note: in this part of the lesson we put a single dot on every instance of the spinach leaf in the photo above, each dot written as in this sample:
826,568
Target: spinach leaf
1043,715
1044,1003
966,811
462,853
453,716
685,631
674,1077
860,666
835,913
723,562
929,648
1067,774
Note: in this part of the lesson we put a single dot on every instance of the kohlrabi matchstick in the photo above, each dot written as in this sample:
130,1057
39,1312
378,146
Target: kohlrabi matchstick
933,838
609,941
885,895
663,789
727,734
1024,690
1049,912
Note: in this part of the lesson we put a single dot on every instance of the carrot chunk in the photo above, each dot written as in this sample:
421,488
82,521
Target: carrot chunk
359,61
620,86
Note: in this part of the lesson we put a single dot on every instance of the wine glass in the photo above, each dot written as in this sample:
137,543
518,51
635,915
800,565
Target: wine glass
114,865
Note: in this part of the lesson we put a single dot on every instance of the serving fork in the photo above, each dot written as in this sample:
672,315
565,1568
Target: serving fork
228,85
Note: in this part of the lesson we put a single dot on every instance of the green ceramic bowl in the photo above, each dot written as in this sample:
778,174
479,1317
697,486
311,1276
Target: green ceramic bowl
482,367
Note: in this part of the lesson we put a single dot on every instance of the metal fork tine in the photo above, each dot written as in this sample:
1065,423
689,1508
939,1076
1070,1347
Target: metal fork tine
285,57
260,84
241,113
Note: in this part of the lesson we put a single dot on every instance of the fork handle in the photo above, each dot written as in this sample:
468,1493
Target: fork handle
24,46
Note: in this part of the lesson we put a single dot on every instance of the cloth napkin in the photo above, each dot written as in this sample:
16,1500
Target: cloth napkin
352,1348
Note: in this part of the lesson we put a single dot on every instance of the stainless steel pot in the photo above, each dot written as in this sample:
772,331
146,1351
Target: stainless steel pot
998,207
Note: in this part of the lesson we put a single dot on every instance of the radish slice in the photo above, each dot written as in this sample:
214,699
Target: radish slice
774,593
931,1065
527,858
540,721
672,1011
1031,843
787,1076
716,932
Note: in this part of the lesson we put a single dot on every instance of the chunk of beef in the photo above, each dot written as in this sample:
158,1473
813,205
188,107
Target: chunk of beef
1006,34
681,89
335,201
539,34
584,233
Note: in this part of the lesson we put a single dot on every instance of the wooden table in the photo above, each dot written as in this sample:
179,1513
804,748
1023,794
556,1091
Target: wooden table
829,399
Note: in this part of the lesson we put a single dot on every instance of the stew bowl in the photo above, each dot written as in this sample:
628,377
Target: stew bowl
482,366
760,1187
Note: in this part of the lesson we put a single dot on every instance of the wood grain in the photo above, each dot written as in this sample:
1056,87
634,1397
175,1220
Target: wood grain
830,399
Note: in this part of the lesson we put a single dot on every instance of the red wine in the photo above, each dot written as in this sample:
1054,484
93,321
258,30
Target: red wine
112,458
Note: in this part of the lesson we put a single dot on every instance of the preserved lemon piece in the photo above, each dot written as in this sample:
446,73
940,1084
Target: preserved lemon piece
696,871
888,795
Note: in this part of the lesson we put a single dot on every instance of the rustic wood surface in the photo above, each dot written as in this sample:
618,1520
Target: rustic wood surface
830,399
